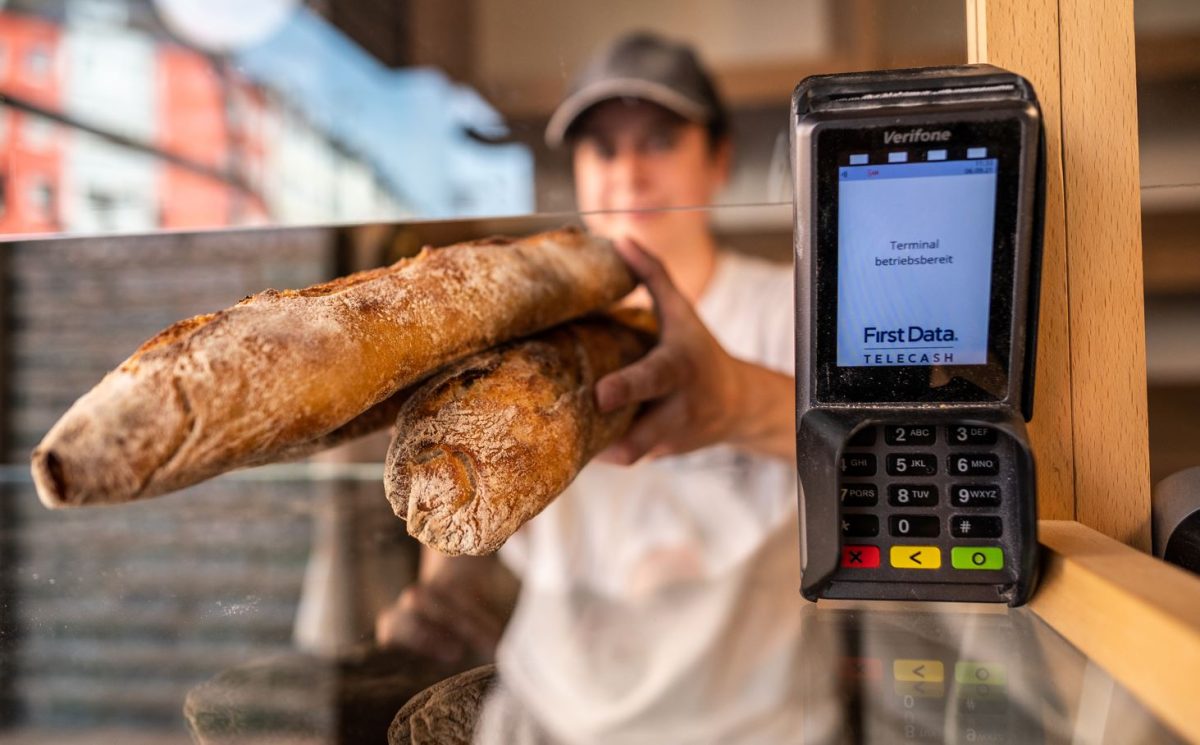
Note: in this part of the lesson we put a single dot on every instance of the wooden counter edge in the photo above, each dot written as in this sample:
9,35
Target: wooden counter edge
1135,616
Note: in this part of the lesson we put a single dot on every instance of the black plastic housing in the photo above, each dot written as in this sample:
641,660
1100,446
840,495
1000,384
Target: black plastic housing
968,98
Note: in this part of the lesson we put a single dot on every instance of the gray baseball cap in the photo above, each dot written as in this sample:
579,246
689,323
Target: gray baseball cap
645,66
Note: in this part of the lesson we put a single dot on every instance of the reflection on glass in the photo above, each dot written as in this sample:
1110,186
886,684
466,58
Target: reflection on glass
144,126
954,674
194,628
140,115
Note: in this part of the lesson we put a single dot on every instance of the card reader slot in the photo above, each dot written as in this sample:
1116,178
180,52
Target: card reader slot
922,93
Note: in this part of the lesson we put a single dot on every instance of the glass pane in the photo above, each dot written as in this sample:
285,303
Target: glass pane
1168,59
244,609
206,617
140,115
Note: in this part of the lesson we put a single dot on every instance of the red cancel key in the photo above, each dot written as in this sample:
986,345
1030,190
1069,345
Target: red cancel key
860,557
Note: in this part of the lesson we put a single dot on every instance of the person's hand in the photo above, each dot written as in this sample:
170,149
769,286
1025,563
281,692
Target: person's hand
693,387
435,620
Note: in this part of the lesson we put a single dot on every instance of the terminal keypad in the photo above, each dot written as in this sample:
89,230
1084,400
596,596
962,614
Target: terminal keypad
926,502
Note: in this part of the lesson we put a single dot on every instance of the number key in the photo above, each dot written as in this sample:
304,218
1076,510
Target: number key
975,495
973,464
912,495
909,434
922,526
858,464
912,464
859,495
970,434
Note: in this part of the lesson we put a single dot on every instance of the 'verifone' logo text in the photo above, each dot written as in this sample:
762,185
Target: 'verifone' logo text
894,137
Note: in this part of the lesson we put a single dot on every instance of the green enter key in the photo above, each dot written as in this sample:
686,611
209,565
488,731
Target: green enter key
977,557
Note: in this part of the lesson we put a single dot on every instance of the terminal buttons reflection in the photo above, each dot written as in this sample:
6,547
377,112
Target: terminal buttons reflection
929,671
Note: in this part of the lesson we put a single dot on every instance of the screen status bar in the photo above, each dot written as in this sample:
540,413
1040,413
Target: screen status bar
911,155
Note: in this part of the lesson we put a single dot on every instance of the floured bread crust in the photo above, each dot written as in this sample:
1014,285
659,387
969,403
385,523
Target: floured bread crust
486,444
280,370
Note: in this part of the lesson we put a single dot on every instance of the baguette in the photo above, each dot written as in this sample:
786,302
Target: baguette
486,444
282,369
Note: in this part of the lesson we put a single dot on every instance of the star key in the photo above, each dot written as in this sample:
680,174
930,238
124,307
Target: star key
860,525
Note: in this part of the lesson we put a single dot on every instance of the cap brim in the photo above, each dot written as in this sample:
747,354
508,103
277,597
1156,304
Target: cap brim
603,90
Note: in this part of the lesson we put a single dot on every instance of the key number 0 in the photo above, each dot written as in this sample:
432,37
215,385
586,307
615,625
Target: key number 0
902,526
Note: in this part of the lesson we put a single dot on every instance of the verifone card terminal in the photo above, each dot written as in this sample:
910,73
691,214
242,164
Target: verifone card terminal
918,239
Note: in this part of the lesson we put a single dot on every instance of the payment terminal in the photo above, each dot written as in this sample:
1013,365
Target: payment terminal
918,228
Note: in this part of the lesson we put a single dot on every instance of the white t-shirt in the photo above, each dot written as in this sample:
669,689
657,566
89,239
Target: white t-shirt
635,577
624,531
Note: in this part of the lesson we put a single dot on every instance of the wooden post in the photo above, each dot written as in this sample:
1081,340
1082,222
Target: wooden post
1089,428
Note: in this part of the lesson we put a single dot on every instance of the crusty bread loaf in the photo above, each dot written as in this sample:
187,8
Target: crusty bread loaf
294,698
445,713
377,418
486,444
281,369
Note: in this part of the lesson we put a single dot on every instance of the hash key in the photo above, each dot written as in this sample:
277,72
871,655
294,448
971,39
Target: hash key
975,526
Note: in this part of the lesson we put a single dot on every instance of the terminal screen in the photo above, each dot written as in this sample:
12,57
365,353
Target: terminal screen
914,266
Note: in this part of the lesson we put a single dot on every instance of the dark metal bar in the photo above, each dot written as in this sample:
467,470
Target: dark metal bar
8,519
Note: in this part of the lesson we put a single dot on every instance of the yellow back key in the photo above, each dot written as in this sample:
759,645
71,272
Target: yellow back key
916,557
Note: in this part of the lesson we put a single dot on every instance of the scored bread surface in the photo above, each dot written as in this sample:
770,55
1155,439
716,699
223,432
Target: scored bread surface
485,445
285,368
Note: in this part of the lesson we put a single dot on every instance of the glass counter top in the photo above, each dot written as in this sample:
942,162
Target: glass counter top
191,618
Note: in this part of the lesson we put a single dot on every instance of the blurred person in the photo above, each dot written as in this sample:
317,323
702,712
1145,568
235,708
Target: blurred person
663,546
